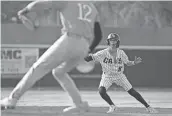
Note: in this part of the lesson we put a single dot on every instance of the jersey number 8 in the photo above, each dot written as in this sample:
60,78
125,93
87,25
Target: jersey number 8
84,12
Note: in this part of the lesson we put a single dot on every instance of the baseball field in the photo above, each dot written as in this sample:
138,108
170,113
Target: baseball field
51,101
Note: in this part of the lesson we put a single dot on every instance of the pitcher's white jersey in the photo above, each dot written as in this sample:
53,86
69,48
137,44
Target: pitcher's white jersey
110,66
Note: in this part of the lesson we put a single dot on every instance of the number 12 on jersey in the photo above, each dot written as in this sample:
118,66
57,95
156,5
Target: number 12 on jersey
84,12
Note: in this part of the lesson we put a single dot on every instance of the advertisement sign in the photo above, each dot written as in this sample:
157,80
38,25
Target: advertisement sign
17,60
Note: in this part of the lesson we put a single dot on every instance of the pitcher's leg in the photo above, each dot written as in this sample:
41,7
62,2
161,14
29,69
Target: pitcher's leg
49,60
29,79
36,72
60,74
77,50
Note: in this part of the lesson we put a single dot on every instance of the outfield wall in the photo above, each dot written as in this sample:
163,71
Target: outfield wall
154,71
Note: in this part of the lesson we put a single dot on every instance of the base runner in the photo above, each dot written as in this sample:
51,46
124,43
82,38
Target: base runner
112,60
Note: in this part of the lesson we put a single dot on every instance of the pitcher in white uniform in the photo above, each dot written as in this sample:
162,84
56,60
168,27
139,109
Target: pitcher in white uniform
81,33
112,60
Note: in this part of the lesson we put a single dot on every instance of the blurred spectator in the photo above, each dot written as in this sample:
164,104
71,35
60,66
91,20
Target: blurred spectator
113,13
9,10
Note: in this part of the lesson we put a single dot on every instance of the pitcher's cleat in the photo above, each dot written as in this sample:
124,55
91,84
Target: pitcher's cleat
112,108
151,110
83,107
8,103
